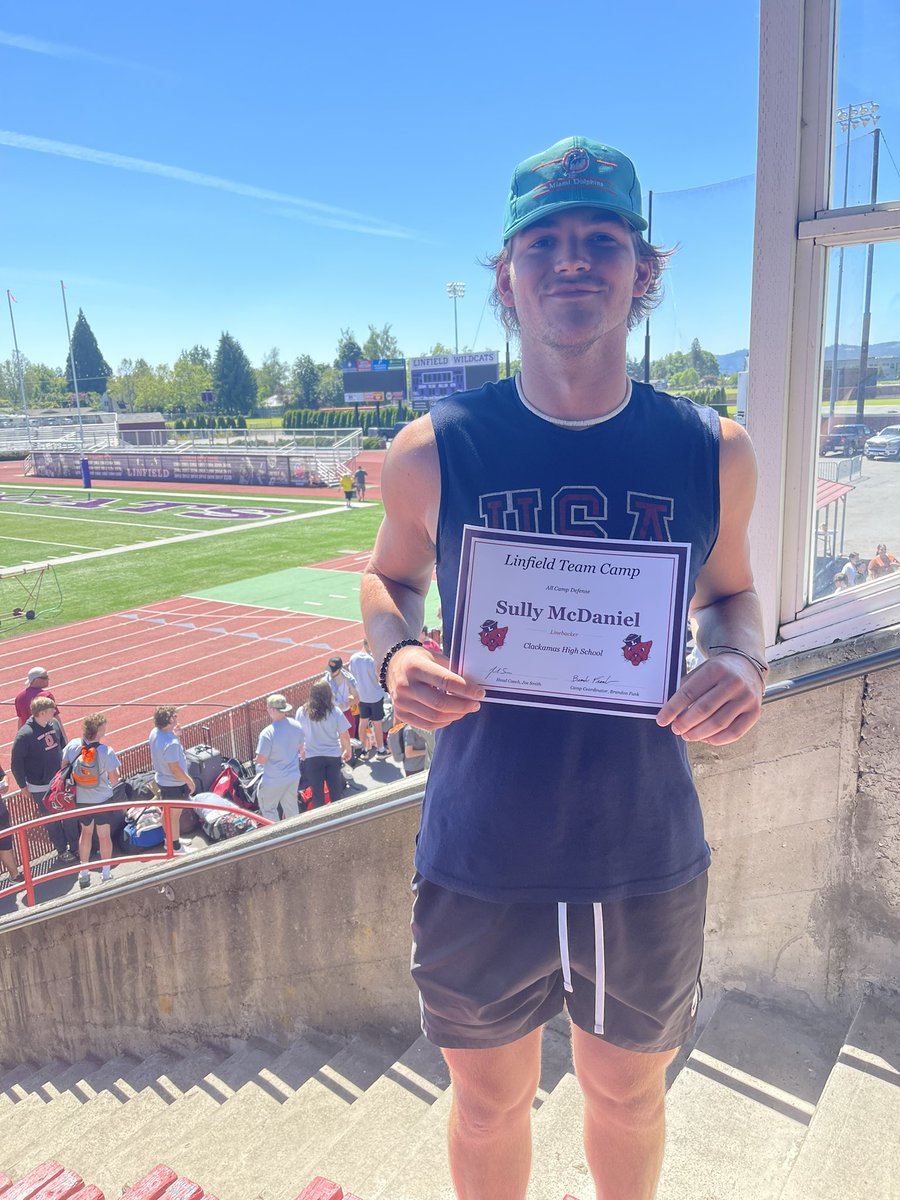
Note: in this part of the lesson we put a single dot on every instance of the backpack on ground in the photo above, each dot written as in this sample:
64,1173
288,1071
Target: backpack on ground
230,784
143,827
86,765
60,796
227,825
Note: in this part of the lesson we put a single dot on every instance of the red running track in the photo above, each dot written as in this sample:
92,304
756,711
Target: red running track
202,655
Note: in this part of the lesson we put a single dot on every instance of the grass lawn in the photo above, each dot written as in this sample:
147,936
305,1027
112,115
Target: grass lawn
106,585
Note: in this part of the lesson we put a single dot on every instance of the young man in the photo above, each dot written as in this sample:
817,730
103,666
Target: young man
576,875
278,753
343,689
371,699
36,757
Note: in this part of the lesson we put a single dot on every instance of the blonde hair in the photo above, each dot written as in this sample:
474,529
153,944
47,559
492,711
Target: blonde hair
92,725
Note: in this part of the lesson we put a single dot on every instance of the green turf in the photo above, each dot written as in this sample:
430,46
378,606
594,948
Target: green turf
106,585
307,590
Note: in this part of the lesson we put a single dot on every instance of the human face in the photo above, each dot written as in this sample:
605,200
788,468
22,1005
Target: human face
572,277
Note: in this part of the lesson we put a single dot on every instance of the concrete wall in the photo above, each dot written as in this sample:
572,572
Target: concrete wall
313,933
803,816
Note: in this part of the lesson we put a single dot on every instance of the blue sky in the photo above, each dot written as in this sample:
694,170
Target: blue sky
282,171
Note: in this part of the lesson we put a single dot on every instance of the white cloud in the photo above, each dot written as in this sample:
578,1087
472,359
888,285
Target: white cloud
311,211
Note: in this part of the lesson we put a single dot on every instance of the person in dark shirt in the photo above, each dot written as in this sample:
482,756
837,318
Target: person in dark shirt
570,447
36,757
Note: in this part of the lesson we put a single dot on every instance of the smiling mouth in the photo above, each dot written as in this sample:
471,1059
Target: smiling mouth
575,289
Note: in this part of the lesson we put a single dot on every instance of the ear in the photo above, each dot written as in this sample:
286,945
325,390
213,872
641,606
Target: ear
643,274
504,285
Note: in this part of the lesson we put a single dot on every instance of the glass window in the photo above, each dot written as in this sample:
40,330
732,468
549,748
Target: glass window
866,99
856,513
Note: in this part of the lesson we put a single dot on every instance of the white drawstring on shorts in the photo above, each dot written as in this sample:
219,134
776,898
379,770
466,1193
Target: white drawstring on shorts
599,960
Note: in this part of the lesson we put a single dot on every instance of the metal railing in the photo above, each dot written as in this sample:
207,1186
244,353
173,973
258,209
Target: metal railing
21,834
234,731
838,673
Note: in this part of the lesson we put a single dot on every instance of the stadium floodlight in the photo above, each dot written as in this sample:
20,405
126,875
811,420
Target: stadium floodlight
456,291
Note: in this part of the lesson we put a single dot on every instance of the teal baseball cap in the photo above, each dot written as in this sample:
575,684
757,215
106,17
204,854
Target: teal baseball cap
575,171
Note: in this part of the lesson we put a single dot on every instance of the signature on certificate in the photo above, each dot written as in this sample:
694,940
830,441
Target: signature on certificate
601,679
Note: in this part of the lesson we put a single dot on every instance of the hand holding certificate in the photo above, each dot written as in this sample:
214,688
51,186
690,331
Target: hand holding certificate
588,624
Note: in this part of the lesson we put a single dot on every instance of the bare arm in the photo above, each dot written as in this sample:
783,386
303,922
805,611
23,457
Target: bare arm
346,749
720,700
424,689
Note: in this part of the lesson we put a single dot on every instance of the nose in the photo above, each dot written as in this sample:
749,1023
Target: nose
571,255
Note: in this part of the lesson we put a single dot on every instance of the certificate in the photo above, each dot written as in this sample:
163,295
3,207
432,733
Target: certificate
588,624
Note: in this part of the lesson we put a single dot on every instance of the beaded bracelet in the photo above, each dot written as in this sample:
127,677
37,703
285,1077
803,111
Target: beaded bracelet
382,675
761,667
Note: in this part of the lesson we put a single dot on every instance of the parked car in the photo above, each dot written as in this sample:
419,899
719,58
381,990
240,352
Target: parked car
845,439
885,444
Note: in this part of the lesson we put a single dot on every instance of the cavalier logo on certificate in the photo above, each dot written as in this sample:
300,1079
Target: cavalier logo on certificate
588,624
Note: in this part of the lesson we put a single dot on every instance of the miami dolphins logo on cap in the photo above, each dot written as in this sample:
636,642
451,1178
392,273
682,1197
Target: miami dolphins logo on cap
575,161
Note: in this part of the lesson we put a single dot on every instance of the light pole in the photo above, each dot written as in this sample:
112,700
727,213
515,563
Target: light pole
848,119
456,291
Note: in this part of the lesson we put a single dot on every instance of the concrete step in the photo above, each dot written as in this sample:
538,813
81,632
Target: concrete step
161,1138
739,1111
78,1085
106,1122
558,1163
853,1144
247,1123
311,1118
424,1172
385,1124
19,1091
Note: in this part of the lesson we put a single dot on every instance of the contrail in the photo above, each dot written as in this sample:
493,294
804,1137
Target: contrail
309,210
57,50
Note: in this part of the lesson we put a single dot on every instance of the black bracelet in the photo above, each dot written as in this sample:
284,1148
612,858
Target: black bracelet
382,675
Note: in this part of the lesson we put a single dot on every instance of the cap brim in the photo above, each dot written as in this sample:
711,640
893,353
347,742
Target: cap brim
532,218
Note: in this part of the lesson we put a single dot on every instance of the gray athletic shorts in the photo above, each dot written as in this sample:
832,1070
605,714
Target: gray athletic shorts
488,974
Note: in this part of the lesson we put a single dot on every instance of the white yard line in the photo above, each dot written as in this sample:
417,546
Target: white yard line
187,537
48,515
33,541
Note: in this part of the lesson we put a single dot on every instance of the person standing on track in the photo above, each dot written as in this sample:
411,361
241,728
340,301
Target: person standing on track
37,685
575,877
347,486
170,768
278,753
359,481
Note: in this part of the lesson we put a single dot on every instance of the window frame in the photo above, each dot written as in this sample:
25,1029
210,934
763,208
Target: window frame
795,230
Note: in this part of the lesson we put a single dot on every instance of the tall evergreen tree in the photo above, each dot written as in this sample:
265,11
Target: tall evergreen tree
91,367
234,381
